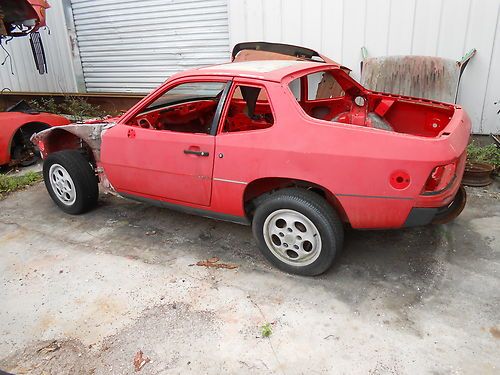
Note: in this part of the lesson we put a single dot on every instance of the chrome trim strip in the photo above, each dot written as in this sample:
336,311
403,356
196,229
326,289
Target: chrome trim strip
230,181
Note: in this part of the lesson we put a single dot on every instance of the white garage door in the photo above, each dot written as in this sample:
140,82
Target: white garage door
133,46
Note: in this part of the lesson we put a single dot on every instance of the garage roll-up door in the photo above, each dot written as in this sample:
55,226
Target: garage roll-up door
133,46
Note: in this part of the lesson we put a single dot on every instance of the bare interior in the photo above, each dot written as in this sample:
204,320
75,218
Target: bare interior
186,108
190,108
333,96
249,109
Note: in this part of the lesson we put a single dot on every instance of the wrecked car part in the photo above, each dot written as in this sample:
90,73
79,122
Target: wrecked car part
428,77
38,52
254,51
22,106
21,17
478,174
16,128
88,133
208,148
86,137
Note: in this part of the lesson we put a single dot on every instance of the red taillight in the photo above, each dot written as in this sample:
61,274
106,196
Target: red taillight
440,178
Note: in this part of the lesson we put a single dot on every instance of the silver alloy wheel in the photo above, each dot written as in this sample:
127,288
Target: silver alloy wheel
292,237
62,184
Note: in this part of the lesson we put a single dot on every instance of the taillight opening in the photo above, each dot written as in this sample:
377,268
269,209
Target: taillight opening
440,178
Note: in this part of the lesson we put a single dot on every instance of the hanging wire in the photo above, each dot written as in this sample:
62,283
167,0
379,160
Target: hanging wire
7,55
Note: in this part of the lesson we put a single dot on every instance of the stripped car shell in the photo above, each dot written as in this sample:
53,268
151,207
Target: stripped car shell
294,147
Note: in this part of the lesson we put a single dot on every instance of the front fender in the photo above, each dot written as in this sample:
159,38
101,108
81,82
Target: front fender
60,138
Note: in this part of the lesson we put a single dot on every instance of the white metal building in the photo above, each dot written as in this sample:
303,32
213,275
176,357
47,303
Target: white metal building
99,46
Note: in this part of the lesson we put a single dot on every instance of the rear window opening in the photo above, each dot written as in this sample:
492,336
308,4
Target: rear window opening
334,97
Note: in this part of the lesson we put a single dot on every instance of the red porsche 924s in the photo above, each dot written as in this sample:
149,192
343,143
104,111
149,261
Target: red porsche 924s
294,147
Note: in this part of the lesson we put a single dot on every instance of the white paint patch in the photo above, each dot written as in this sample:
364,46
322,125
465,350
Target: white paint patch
264,66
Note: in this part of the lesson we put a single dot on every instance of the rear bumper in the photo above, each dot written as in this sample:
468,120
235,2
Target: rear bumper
426,215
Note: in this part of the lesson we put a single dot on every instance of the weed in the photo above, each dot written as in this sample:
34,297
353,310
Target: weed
80,109
266,330
485,154
8,184
45,105
77,108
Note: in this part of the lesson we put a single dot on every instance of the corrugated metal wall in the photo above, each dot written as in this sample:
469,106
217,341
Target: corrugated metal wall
133,46
339,28
25,77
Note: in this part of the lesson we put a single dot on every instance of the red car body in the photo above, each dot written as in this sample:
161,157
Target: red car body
379,160
358,166
14,124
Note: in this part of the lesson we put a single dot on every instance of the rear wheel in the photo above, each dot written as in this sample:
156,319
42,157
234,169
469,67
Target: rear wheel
298,231
71,181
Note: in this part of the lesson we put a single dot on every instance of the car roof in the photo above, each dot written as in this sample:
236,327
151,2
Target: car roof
270,70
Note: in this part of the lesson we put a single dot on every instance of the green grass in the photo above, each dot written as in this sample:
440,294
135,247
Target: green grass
8,184
485,154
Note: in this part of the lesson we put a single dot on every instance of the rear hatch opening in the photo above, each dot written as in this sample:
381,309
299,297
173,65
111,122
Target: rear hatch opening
418,117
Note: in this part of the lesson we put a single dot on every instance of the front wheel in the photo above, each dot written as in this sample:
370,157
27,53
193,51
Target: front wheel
71,181
298,231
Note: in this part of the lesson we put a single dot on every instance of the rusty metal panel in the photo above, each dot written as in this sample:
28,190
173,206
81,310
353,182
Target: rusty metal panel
419,76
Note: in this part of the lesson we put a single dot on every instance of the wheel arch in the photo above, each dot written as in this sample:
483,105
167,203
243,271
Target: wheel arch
267,185
58,139
30,127
86,137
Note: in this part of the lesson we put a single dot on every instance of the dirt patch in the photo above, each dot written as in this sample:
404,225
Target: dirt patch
50,357
495,332
174,329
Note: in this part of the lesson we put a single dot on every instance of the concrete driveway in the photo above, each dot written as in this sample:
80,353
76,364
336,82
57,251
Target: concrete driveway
83,294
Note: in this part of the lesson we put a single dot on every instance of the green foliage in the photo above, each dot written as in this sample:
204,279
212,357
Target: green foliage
9,184
266,330
485,154
78,108
45,105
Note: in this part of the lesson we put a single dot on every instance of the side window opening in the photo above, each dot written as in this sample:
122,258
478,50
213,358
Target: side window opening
186,108
249,109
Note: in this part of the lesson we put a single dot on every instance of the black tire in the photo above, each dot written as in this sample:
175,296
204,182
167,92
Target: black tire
83,178
318,211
